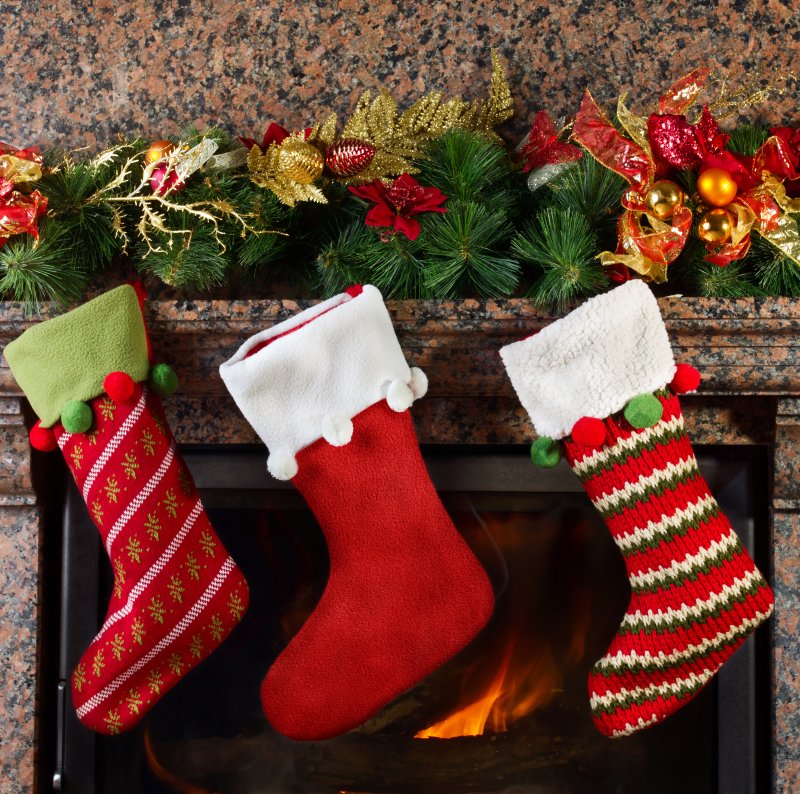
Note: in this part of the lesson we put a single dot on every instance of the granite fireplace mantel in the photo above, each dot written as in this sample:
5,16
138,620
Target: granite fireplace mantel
748,352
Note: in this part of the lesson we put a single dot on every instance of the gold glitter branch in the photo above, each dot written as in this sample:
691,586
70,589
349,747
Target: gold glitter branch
376,142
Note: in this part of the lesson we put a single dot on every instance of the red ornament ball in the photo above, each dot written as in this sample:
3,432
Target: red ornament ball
119,386
161,183
42,438
686,379
589,432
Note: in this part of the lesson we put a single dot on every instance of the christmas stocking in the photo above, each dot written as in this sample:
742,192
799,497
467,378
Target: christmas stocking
177,594
328,392
604,381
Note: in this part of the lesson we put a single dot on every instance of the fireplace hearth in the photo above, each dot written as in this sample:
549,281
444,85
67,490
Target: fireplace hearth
745,421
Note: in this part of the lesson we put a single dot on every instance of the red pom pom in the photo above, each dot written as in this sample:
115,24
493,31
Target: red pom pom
354,290
42,438
589,432
119,386
686,379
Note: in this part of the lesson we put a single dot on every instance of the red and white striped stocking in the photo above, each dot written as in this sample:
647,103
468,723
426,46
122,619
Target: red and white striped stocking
603,379
177,593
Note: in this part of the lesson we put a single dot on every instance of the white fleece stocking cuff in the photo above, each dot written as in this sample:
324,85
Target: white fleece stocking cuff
593,361
341,356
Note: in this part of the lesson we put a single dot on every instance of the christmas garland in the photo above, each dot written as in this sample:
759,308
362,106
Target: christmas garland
425,203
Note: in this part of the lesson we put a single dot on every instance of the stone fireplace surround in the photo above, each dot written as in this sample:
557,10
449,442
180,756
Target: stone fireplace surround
748,352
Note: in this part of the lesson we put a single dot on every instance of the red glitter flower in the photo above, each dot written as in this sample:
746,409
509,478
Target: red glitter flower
395,206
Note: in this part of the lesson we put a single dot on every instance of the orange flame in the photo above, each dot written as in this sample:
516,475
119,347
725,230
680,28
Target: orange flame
502,688
164,775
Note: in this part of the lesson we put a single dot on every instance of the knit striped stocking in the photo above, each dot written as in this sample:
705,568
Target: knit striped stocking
695,593
177,593
602,385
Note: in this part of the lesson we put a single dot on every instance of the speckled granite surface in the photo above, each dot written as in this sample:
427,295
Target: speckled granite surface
79,72
747,350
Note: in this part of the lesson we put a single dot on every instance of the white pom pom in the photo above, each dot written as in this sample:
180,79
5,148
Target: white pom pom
418,383
337,429
399,396
282,465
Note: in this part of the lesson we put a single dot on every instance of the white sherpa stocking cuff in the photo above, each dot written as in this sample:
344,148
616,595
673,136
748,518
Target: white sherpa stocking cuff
341,356
593,361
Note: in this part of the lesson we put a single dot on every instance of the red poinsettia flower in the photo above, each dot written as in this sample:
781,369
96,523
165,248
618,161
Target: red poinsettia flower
542,146
781,156
274,134
396,205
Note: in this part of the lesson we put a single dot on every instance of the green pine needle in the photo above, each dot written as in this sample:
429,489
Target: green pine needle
467,167
590,189
748,139
34,272
464,251
562,246
731,281
776,273
192,261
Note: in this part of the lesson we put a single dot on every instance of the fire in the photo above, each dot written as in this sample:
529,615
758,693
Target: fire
164,775
502,687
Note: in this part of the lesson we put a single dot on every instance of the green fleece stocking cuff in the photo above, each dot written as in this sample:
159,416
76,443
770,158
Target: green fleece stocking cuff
66,358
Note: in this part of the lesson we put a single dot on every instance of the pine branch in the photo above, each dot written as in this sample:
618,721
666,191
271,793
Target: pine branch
561,244
748,139
191,261
33,272
708,280
590,189
466,166
776,274
464,251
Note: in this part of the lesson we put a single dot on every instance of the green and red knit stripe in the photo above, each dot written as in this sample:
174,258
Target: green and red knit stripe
695,593
177,593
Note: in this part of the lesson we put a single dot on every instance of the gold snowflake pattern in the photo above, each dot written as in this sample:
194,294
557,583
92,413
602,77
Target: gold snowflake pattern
118,646
97,512
170,502
157,610
196,646
130,465
235,606
119,576
77,456
152,526
176,588
134,549
107,408
113,722
79,677
137,630
193,567
155,682
176,663
112,489
133,701
207,543
97,663
148,443
215,627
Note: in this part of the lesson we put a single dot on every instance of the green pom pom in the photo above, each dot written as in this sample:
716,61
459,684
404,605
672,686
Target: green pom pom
163,379
545,452
644,411
76,417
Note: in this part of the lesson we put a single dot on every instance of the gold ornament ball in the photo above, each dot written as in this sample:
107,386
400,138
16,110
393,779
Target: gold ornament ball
158,151
716,226
300,161
716,187
663,198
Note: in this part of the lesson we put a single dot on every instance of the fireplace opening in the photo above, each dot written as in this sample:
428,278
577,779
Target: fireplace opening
508,714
